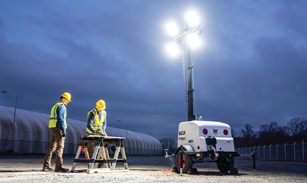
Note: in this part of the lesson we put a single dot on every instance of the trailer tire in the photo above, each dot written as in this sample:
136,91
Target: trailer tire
225,164
188,162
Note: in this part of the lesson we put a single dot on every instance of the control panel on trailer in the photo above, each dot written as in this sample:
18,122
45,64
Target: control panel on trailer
204,141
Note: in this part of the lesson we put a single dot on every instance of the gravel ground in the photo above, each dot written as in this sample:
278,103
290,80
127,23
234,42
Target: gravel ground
150,169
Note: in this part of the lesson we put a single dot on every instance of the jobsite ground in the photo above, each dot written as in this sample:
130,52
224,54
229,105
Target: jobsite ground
150,169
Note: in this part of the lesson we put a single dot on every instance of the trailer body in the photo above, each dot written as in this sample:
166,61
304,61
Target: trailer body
201,141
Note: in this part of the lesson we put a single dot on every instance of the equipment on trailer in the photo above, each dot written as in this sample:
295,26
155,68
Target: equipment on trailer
200,141
204,141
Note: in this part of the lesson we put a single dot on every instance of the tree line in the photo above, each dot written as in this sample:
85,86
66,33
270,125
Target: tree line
294,131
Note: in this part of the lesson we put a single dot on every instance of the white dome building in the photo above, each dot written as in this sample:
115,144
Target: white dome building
32,135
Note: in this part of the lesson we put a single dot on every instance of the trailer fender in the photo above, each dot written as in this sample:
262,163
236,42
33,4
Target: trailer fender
186,147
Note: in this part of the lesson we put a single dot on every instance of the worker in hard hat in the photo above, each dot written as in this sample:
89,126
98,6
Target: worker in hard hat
96,120
57,127
96,123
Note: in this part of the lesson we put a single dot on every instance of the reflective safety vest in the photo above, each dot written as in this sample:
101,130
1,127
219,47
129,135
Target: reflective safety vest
97,123
54,116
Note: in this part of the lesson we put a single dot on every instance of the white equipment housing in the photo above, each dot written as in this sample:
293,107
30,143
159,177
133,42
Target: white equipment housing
191,133
201,141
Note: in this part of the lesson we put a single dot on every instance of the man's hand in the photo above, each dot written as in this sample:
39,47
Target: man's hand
103,133
98,132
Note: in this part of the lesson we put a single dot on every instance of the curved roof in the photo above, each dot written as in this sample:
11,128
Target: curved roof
31,134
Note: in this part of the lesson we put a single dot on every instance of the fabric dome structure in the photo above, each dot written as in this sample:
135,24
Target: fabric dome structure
31,134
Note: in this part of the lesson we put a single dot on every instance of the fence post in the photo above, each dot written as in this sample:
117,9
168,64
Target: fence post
20,146
285,151
250,150
277,151
294,151
264,152
270,150
258,151
303,150
254,149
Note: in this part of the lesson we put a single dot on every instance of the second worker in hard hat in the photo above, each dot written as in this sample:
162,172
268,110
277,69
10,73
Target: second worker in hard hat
96,124
97,120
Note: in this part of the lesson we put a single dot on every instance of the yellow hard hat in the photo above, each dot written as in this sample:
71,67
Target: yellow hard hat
66,95
101,104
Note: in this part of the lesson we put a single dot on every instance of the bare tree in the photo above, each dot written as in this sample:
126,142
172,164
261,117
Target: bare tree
248,135
297,128
272,134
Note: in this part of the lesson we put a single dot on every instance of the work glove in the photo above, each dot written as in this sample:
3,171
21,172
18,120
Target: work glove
98,132
103,133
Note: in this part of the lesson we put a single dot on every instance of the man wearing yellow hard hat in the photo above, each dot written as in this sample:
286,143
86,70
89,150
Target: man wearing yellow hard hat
57,127
96,123
96,120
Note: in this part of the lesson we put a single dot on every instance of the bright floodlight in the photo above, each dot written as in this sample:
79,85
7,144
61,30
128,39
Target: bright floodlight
172,49
192,19
172,28
193,40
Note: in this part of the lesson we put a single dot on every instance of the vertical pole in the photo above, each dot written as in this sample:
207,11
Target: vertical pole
190,88
181,161
285,151
294,151
303,150
264,152
277,151
254,160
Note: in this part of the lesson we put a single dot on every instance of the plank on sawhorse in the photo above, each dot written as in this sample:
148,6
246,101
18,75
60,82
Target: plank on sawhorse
101,154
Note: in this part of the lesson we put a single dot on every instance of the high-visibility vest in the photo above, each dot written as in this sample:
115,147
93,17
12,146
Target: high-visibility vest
54,116
97,123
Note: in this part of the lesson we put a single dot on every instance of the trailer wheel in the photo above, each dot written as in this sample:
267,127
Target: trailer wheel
187,162
225,164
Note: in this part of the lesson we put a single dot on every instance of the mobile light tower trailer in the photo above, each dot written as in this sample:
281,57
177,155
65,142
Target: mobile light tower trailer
199,141
204,141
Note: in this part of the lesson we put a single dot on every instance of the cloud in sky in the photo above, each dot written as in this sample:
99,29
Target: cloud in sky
251,68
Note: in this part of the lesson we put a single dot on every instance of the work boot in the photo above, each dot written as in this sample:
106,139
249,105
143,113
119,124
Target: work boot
48,169
61,169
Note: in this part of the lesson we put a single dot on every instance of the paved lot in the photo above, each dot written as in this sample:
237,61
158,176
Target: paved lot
150,169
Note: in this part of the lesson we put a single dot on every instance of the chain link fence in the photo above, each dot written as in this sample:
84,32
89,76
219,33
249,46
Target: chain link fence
288,152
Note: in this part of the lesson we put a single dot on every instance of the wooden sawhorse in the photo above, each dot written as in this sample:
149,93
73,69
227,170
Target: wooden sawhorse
101,153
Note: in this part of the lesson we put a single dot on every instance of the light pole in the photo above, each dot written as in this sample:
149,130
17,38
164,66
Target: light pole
3,92
190,31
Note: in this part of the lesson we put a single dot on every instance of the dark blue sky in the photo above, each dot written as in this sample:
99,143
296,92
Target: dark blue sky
251,68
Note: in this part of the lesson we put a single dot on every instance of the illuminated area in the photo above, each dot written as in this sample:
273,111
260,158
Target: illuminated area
193,41
172,28
192,19
190,34
172,49
32,135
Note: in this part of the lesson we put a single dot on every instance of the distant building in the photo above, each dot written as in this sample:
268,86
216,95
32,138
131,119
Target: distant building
32,136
